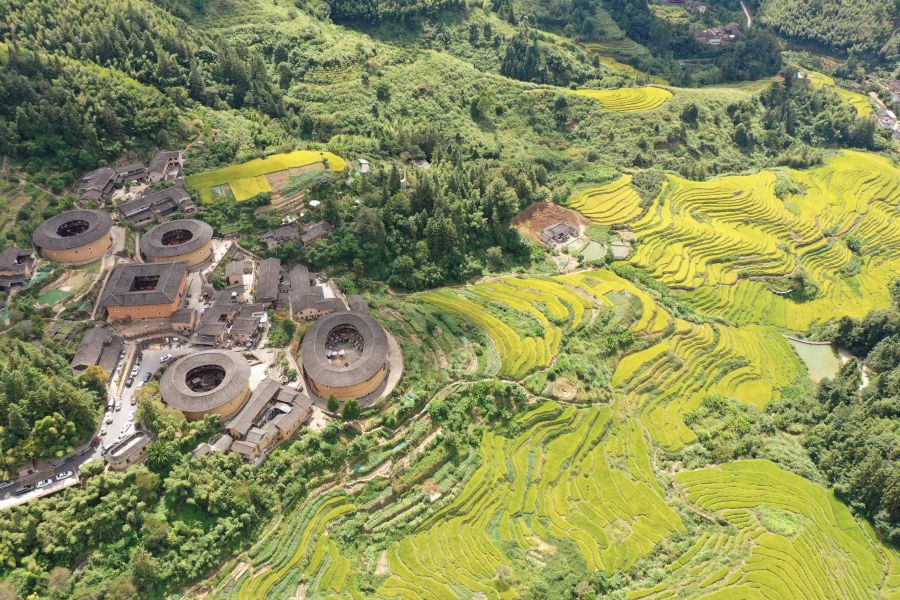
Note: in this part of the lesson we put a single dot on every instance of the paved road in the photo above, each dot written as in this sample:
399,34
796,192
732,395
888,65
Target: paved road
123,419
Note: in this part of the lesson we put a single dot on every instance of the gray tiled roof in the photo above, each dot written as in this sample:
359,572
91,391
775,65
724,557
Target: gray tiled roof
118,288
268,274
161,160
314,231
152,245
177,394
16,260
161,201
47,236
373,358
99,346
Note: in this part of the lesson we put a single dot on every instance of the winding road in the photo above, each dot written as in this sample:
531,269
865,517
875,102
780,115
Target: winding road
749,16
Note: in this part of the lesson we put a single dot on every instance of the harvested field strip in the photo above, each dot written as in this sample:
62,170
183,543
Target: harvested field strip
638,99
612,204
819,552
555,480
249,177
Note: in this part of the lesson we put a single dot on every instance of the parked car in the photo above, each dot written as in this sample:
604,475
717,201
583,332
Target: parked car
166,358
111,404
131,416
108,419
129,382
119,405
148,377
44,482
104,430
135,370
133,399
63,475
24,489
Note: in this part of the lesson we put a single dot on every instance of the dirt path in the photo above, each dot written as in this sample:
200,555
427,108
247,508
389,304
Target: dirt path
747,13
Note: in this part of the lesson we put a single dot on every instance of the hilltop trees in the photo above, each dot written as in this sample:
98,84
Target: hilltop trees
44,409
437,231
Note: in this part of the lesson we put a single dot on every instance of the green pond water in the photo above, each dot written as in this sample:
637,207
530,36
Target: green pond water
821,360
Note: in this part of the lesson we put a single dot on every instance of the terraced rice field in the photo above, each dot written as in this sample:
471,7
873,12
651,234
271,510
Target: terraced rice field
584,479
248,179
724,242
638,99
302,548
612,204
780,537
545,302
605,499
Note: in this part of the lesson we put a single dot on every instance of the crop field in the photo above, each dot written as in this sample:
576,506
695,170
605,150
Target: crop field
606,500
301,547
858,101
637,99
731,245
613,204
545,302
248,179
671,378
779,537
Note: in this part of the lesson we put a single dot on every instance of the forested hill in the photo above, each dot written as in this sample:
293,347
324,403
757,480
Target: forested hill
867,26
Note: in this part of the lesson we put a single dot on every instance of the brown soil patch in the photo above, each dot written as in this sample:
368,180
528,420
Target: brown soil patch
541,215
382,568
563,390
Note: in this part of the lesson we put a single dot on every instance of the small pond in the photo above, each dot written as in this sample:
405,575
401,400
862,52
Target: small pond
822,360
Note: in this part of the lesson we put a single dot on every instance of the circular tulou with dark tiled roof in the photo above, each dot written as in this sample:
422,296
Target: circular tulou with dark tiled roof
74,236
207,382
351,373
183,240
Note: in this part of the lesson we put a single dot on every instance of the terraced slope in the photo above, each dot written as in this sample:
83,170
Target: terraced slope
637,99
781,537
505,308
606,500
612,204
303,548
671,378
732,246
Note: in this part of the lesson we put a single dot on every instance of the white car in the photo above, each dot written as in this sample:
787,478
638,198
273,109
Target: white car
119,405
44,482
165,359
109,418
104,430
63,475
135,371
131,416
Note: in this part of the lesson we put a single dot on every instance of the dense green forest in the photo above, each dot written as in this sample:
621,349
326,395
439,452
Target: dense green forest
864,26
45,411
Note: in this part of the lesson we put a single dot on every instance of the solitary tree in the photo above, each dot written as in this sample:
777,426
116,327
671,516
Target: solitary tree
333,403
351,410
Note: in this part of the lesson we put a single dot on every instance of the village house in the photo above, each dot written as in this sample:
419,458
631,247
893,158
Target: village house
276,237
16,267
308,301
314,232
96,183
100,347
153,205
165,165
